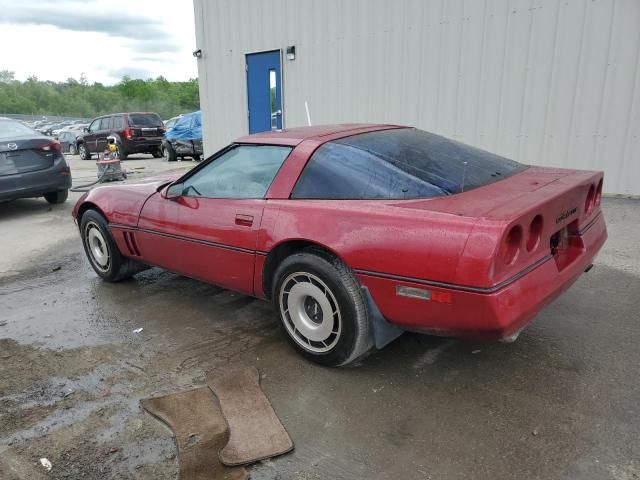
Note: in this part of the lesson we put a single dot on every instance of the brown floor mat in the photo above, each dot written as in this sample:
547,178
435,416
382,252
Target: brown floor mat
256,431
200,432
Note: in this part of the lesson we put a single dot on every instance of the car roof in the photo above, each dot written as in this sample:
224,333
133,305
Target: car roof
125,113
294,136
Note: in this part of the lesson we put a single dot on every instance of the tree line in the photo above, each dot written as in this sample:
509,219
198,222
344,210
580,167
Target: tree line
78,98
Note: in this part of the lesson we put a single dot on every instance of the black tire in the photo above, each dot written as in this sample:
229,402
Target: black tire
157,153
196,158
122,153
72,149
348,324
116,267
84,152
57,197
169,153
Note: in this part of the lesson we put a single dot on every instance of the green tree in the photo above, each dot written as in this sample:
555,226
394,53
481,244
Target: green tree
79,98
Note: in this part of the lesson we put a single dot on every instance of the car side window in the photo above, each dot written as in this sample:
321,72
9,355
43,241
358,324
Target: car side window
403,163
118,123
106,123
341,172
244,171
95,125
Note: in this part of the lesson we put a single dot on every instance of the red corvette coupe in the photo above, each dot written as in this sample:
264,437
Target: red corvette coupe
358,232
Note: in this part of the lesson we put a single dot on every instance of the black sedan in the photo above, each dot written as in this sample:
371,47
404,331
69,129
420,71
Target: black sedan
67,139
31,165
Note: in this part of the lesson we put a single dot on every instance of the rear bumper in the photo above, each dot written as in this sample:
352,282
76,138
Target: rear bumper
186,147
142,145
35,184
491,314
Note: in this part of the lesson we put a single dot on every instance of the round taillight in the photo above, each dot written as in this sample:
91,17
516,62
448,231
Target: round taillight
511,246
588,203
535,233
598,193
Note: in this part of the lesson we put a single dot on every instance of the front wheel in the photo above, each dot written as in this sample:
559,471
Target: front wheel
84,152
72,149
169,153
102,251
322,308
157,153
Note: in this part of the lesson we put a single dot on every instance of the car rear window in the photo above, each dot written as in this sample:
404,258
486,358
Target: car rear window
398,164
11,129
144,120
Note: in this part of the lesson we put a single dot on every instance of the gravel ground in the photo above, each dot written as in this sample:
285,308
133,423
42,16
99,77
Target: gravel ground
562,402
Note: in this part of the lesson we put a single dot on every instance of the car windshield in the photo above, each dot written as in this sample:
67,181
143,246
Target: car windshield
144,120
399,164
11,129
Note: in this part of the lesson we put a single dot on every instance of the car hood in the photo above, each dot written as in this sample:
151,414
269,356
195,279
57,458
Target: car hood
156,180
121,203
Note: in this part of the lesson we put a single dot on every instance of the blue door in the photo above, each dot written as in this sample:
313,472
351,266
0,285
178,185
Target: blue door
264,91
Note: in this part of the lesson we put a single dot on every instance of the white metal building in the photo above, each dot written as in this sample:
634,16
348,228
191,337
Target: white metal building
549,82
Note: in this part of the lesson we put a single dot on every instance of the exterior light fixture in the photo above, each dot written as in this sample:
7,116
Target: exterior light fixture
197,53
291,52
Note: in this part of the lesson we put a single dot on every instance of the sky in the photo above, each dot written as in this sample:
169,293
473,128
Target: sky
104,39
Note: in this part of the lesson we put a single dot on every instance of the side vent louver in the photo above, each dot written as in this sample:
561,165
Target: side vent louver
130,240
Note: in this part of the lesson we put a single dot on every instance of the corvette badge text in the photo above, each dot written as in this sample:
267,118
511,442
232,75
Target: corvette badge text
566,214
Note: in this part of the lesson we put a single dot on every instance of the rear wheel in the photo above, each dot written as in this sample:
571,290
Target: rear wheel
196,158
322,308
102,251
84,152
72,149
57,197
156,153
122,153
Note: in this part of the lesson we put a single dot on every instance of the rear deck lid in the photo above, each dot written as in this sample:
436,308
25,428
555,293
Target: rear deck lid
554,188
26,154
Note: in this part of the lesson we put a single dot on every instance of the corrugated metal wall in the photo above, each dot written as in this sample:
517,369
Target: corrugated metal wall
541,81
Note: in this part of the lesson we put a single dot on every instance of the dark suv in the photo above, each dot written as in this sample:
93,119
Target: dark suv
136,132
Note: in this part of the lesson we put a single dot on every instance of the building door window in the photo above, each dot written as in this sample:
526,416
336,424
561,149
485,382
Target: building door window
264,91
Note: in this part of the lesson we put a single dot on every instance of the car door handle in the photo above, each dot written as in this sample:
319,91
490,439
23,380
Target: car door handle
244,220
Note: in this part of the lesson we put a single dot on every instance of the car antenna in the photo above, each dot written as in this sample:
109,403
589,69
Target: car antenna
306,107
464,172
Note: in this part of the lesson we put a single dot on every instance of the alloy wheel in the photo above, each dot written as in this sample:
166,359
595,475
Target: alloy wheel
310,312
97,247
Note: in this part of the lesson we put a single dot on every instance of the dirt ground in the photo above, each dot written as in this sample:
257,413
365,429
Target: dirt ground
562,402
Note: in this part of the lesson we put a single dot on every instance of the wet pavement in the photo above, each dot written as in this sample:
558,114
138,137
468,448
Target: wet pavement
562,402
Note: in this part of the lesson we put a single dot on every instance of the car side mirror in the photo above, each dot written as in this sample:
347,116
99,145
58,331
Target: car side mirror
174,191
85,129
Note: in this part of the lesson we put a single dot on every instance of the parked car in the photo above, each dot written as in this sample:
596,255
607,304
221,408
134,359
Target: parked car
184,139
135,132
357,232
71,126
67,139
31,165
171,122
46,128
59,128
